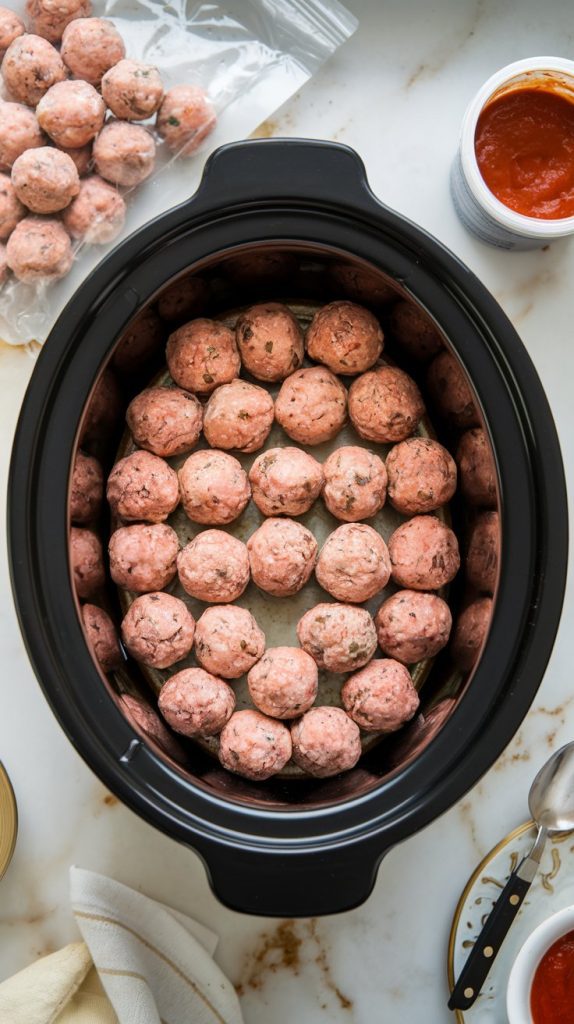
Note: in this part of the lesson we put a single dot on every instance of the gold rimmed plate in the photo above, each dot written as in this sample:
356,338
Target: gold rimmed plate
8,820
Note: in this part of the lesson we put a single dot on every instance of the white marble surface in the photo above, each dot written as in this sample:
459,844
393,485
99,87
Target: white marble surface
396,92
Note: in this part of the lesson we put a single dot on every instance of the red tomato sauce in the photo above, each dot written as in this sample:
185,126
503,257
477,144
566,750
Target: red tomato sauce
552,992
524,146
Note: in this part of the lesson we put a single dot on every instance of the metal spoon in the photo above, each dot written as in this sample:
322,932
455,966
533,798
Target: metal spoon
551,803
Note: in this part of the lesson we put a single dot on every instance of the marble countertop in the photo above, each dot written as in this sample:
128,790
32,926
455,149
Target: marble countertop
396,92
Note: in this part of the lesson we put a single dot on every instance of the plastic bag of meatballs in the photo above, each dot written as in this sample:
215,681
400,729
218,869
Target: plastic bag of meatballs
108,112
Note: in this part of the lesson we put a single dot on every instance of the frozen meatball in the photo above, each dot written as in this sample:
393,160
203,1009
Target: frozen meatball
214,488
238,415
414,331
325,742
228,641
81,157
11,26
158,630
45,180
71,113
354,563
284,683
422,476
254,746
261,269
311,405
361,284
476,468
142,339
141,716
132,90
470,631
381,697
11,209
19,131
165,421
97,214
412,625
39,249
104,408
142,486
102,637
3,264
195,703
282,556
185,118
202,355
143,557
87,561
355,483
450,391
385,405
285,481
124,153
424,554
340,637
270,341
345,337
30,67
214,567
90,46
483,552
86,489
48,18
185,297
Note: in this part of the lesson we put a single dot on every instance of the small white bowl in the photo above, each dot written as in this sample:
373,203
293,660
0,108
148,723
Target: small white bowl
530,955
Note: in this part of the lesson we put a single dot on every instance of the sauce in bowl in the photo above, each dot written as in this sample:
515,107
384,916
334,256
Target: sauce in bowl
552,992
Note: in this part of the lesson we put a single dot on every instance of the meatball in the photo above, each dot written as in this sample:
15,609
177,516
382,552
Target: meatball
470,632
87,561
98,212
142,487
214,488
254,746
284,683
39,249
424,554
11,26
86,489
132,90
81,157
124,153
238,415
228,641
450,391
385,405
11,209
340,637
214,567
196,703
139,342
19,131
285,481
141,716
48,18
412,625
483,552
90,46
415,331
202,355
45,180
381,697
104,408
185,118
282,556
71,113
261,269
3,264
30,67
143,557
355,483
476,468
185,297
311,405
422,476
165,421
345,337
158,630
361,284
102,637
270,341
354,563
325,742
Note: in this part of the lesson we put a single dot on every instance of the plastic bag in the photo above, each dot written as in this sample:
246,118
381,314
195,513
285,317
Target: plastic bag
249,55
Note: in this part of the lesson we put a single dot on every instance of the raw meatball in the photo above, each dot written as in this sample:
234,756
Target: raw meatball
11,26
214,488
98,212
48,18
381,697
185,118
143,557
261,269
282,556
158,630
86,489
139,342
45,180
385,405
214,567
254,746
424,554
102,637
476,468
87,561
71,113
228,641
39,249
270,341
470,632
284,683
11,209
202,355
238,415
132,90
355,483
90,46
311,405
325,742
82,157
483,550
140,715
124,153
450,391
142,486
196,703
354,563
30,67
422,476
185,297
362,285
340,637
3,264
345,337
104,408
414,331
412,626
285,481
165,421
19,131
